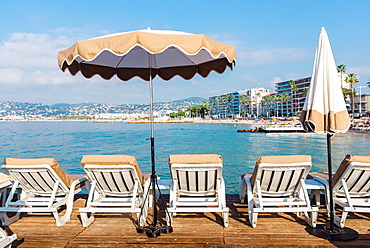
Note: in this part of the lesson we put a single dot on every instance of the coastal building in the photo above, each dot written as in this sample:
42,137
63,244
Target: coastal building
361,103
237,104
288,100
253,100
225,106
290,96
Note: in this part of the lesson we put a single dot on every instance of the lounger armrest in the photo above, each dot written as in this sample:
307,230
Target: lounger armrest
322,181
80,181
245,186
248,182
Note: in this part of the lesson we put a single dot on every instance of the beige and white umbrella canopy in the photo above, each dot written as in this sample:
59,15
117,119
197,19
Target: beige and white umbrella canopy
130,54
324,110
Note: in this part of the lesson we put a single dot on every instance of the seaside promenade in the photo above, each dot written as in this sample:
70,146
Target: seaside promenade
189,230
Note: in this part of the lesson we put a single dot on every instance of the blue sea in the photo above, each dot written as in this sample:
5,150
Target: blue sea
67,141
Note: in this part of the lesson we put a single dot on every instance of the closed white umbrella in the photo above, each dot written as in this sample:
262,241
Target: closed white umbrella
324,111
147,54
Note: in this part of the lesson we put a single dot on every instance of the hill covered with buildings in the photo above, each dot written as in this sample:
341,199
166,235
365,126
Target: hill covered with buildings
24,110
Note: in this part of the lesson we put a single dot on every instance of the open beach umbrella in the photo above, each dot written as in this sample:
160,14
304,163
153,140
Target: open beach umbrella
324,111
147,54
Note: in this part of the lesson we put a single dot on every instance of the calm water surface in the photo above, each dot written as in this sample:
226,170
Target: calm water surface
68,141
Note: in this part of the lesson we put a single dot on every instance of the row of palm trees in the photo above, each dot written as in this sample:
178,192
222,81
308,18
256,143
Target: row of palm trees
351,79
271,104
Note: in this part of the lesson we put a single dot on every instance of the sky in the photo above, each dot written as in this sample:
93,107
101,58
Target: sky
275,41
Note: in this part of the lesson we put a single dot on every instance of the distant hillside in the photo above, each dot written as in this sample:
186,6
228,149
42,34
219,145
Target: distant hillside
200,99
38,110
186,100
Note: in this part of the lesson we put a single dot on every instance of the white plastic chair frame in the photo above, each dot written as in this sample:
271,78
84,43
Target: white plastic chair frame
5,240
352,191
39,190
197,188
114,189
278,188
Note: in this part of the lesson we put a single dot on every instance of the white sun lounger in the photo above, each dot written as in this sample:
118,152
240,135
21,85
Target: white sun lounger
351,186
5,183
197,185
116,187
44,187
278,185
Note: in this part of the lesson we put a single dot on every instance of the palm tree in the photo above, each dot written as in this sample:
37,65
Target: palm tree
292,84
368,83
258,95
305,91
351,79
273,100
279,99
286,98
295,90
249,102
341,69
263,101
242,100
268,100
231,101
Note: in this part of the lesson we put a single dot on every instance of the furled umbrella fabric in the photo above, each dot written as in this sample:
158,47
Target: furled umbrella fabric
324,110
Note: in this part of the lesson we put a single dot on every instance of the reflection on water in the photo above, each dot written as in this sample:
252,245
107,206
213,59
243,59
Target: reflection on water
68,141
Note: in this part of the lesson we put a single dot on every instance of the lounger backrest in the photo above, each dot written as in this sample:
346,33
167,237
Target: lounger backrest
114,175
280,175
4,178
355,170
196,174
37,176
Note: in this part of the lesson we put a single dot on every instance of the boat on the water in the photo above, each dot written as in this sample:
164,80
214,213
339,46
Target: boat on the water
283,128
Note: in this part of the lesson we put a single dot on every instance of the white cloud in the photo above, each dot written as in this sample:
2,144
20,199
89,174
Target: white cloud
28,50
10,75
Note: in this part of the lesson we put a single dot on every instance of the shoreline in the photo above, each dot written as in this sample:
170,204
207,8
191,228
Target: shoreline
362,124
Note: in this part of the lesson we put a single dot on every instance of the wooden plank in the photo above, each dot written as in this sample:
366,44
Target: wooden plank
190,230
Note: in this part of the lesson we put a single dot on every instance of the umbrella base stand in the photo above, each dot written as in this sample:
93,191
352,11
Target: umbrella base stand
155,231
337,233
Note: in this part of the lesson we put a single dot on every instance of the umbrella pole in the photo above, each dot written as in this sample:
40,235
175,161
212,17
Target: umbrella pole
153,176
155,229
330,174
330,231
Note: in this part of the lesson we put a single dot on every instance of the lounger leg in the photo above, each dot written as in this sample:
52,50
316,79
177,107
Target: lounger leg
225,216
340,221
141,217
6,220
242,189
169,218
252,215
143,214
311,218
86,221
5,240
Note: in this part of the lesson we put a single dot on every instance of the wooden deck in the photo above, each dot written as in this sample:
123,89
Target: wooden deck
190,230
